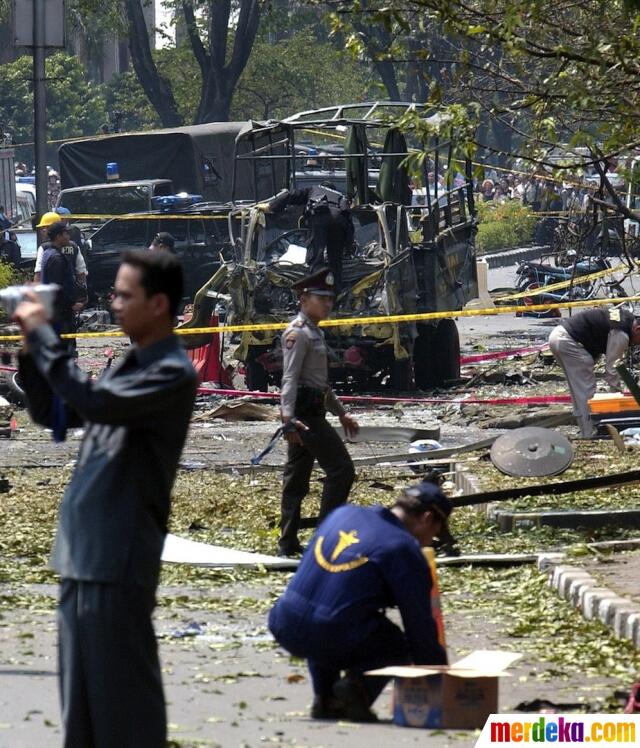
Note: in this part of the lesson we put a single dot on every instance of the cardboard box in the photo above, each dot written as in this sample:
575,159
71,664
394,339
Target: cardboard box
460,696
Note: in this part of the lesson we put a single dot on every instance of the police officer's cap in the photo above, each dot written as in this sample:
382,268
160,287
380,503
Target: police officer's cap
55,229
432,499
321,283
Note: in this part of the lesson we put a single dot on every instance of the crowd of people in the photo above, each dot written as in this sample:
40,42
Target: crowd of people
537,192
24,173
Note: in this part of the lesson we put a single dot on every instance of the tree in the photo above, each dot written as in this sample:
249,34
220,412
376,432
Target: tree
221,36
221,59
275,84
75,106
178,67
155,85
123,93
549,72
5,31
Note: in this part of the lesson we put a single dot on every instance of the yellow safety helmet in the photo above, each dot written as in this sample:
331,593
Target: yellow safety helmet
47,219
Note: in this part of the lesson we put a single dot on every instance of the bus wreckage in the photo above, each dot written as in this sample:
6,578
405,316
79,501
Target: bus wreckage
341,196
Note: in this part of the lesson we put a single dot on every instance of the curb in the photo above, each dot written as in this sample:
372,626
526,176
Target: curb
511,256
596,603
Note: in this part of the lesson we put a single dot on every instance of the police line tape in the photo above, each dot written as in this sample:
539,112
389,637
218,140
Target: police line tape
359,321
578,280
222,217
142,216
383,400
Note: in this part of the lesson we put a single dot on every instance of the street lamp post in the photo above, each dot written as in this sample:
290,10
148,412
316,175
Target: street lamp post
40,107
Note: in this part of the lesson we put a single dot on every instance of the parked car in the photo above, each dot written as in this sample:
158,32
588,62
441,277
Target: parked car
200,238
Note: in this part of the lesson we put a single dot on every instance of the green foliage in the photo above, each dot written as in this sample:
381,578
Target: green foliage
505,225
123,93
7,274
543,73
75,105
179,67
296,73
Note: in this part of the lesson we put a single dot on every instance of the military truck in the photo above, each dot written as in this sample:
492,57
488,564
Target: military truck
403,258
197,160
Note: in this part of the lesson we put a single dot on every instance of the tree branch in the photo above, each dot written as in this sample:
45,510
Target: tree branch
219,12
246,30
199,52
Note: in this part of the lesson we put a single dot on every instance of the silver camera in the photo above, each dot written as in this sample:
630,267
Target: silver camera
12,296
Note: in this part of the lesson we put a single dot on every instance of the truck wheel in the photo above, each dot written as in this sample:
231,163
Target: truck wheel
436,354
446,349
402,375
423,371
256,377
15,387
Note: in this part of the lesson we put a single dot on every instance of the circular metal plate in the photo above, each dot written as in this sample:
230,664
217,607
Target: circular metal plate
532,452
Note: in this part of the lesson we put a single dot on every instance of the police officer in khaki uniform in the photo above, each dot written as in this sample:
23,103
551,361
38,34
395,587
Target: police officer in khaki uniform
305,399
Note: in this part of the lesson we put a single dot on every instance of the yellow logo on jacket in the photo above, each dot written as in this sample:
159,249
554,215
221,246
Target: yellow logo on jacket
345,540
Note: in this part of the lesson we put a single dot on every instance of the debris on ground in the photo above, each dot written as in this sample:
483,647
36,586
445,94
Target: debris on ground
242,410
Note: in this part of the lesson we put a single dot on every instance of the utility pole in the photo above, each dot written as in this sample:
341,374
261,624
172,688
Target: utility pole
40,107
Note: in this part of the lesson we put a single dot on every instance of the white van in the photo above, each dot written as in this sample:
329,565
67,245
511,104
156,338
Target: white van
26,202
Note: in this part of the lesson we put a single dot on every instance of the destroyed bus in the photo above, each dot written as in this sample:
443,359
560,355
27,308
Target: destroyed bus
399,258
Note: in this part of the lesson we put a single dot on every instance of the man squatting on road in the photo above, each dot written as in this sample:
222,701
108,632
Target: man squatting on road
579,341
361,561
113,516
305,398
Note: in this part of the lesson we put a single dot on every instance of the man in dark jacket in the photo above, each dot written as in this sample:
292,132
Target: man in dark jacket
58,266
361,561
113,517
579,341
10,249
328,218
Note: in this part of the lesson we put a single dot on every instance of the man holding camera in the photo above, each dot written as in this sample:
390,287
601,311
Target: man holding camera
113,516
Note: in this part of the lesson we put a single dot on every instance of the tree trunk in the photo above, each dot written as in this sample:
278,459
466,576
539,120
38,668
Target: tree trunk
377,42
387,73
7,47
154,85
219,77
215,101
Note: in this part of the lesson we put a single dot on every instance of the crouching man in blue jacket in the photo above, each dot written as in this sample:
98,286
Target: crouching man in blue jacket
361,561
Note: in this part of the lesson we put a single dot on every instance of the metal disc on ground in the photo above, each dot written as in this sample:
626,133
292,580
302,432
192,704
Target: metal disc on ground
532,451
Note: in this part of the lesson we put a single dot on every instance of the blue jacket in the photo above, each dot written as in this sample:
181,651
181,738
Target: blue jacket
359,562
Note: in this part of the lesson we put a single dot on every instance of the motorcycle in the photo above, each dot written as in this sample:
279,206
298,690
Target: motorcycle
531,276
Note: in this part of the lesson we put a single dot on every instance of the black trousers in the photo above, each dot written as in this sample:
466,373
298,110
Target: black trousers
342,645
110,682
331,229
320,443
385,645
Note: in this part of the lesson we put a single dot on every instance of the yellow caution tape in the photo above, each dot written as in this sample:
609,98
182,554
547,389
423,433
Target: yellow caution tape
577,281
356,321
143,216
